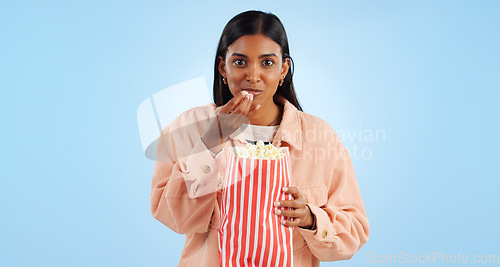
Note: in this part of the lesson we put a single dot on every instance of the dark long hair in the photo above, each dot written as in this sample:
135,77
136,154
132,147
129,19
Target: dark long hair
249,23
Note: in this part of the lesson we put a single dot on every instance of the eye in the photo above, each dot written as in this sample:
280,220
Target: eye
268,62
238,61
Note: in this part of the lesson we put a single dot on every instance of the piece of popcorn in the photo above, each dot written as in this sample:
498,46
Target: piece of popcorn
260,144
258,151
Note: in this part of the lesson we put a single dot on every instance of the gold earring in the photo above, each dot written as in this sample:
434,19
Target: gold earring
224,80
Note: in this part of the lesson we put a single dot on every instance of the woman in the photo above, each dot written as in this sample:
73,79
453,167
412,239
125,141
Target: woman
255,100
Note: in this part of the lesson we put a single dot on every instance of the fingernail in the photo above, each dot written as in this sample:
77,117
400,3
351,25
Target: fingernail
277,211
244,92
277,203
249,96
257,107
285,189
282,221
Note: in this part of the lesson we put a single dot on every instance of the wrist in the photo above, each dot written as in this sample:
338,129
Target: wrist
212,142
311,225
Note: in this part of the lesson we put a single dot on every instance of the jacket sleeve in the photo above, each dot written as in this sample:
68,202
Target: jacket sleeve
183,191
341,225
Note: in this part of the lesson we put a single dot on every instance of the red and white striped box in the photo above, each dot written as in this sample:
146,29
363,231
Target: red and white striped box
250,233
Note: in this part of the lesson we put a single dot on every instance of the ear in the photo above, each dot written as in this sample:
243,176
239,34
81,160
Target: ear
285,67
222,66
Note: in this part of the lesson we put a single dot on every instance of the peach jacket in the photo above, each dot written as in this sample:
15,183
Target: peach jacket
321,169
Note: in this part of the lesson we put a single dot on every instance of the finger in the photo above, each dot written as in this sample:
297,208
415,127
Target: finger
254,108
240,108
291,223
296,213
237,99
298,204
249,105
292,190
233,111
237,116
242,105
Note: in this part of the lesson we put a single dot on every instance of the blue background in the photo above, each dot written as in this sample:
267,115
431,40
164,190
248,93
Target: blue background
75,182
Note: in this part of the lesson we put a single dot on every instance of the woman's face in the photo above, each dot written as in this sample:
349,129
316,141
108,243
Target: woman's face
254,62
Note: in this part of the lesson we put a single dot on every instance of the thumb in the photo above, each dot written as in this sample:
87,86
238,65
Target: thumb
255,107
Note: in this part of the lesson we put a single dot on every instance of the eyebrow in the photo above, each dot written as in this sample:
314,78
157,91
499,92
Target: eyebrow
241,55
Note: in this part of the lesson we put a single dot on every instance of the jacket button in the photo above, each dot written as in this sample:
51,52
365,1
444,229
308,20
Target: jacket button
324,234
205,168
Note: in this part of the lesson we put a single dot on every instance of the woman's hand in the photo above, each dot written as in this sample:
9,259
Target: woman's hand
228,119
300,215
239,104
234,112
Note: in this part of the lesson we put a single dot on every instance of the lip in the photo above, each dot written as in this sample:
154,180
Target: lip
254,92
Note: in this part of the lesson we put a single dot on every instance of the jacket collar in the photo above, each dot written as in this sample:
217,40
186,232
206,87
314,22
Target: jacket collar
290,130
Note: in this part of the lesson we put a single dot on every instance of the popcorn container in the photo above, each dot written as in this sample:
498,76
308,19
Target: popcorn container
250,233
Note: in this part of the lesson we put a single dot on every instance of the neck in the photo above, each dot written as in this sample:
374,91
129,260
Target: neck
265,115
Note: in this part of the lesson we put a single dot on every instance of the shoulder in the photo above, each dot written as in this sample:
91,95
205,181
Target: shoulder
193,116
318,132
198,112
311,122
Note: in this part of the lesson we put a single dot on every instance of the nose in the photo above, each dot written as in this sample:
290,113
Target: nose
253,74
